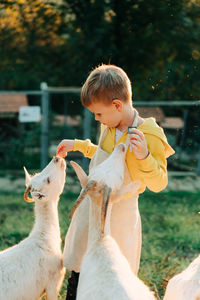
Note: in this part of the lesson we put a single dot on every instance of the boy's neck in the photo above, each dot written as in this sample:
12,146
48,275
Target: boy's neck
128,117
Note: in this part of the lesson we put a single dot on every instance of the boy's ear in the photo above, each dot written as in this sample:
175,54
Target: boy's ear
27,177
118,104
82,176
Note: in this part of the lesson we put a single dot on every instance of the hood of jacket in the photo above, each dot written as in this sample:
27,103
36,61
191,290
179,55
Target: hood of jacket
151,127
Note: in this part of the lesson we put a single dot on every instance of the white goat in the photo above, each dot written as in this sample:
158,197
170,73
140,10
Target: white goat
34,266
185,285
105,272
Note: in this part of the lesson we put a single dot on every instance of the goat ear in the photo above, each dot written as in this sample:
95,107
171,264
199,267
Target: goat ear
28,177
82,176
129,190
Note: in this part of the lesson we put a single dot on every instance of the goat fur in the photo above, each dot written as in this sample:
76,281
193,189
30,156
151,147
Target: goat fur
185,285
34,266
105,272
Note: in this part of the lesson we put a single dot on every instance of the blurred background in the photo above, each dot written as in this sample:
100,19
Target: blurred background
59,42
47,49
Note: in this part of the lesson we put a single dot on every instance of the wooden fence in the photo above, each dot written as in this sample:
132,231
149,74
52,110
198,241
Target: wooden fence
46,91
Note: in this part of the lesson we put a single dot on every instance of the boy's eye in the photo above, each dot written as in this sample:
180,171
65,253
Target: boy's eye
99,115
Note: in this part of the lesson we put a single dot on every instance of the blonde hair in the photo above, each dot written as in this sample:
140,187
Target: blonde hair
104,84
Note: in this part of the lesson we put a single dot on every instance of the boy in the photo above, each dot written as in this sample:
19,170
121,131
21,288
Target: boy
107,94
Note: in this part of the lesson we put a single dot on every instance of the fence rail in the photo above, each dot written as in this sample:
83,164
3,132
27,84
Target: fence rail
45,93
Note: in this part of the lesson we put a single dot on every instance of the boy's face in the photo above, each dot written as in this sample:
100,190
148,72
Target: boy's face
107,114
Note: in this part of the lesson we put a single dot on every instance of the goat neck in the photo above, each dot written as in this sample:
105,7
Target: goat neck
46,215
111,171
47,224
107,220
99,203
94,233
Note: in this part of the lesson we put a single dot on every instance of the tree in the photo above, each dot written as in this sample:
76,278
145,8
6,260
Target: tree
156,43
30,43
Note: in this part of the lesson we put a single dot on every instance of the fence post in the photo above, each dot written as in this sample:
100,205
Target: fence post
198,164
44,125
86,133
185,118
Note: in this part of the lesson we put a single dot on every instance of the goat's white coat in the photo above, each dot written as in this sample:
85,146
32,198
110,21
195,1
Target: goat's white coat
105,272
125,215
185,285
111,171
35,266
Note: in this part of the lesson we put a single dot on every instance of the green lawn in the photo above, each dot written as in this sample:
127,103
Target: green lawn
170,221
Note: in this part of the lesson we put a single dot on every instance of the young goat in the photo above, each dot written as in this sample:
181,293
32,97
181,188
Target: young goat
34,266
186,285
105,272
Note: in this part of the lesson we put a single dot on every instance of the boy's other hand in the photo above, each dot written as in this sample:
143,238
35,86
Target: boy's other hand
139,144
64,147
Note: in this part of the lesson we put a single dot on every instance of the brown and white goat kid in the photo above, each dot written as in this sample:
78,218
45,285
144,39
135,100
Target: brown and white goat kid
105,272
34,266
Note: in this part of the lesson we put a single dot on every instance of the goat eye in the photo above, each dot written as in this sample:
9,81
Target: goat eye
48,180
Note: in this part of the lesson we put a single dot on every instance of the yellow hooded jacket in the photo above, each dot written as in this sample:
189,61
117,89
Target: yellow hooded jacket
151,171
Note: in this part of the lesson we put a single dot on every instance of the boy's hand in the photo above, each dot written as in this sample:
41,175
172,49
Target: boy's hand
64,147
138,142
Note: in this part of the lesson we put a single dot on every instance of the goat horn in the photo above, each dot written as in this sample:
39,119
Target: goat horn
26,198
82,195
105,202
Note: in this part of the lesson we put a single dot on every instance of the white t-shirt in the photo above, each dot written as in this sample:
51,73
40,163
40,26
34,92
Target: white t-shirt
118,134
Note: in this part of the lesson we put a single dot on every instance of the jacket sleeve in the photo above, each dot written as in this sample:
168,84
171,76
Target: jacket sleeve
153,169
86,147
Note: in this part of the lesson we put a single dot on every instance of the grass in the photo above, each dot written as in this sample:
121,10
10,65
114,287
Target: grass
170,224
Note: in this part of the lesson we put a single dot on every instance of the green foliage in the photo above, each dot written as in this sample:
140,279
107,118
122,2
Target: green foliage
20,146
157,43
170,223
30,43
59,42
170,235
